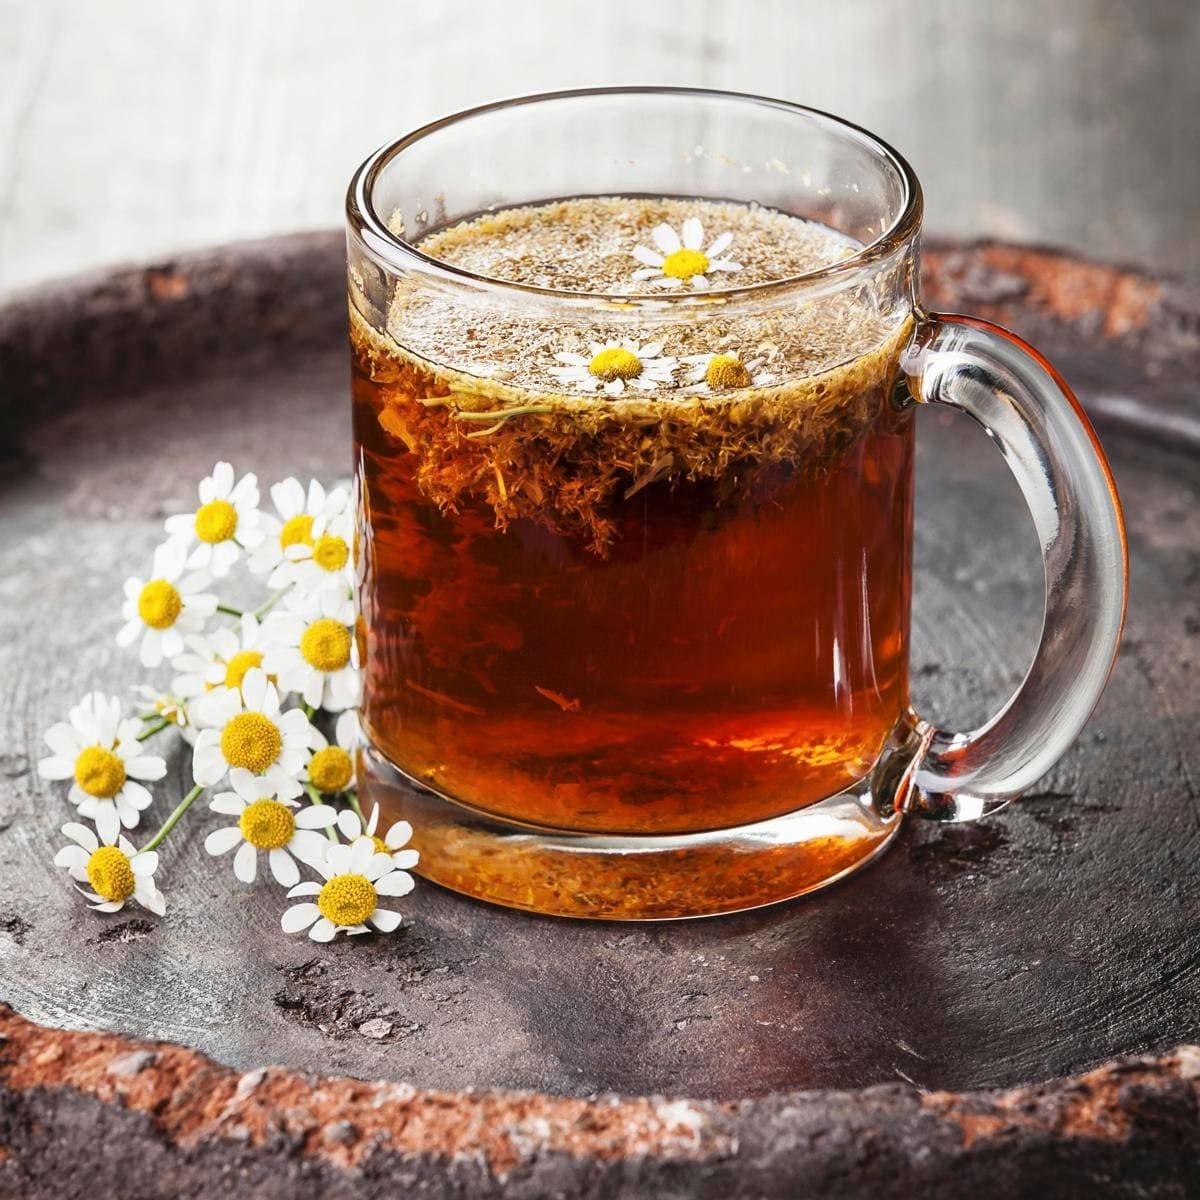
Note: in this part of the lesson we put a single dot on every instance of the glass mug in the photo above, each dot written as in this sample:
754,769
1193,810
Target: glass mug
644,658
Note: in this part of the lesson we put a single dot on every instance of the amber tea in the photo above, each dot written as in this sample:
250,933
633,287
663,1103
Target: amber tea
628,586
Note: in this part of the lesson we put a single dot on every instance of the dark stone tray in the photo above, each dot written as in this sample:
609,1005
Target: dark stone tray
1062,933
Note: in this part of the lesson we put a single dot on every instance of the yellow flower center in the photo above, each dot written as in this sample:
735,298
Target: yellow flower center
683,264
330,769
216,521
251,741
616,363
325,645
726,371
110,874
330,552
100,773
267,824
380,845
347,899
239,664
296,531
159,604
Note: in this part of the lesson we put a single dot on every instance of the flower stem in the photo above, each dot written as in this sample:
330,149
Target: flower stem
170,823
160,724
352,800
229,610
317,798
271,601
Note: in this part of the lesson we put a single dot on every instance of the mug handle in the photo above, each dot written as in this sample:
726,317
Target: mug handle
1027,409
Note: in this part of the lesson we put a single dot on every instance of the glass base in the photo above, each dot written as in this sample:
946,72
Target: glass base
652,877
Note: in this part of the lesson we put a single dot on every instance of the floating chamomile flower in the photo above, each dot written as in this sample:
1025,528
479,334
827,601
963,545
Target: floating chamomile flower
250,734
112,868
356,876
331,769
225,524
724,372
681,259
265,822
325,559
218,660
351,828
311,648
98,750
155,705
298,510
165,608
616,366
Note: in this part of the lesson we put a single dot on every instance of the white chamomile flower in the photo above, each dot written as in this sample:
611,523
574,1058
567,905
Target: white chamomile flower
165,608
680,258
392,842
99,752
155,705
723,372
297,510
251,736
225,524
356,876
218,660
325,559
113,869
332,767
265,822
310,648
615,366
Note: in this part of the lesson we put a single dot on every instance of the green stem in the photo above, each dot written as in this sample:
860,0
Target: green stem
317,798
148,733
352,800
270,602
229,610
170,823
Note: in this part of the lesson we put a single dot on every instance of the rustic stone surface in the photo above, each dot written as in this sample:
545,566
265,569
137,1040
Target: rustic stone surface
1060,934
187,1127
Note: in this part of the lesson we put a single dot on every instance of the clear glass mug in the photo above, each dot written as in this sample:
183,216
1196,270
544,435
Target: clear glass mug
666,675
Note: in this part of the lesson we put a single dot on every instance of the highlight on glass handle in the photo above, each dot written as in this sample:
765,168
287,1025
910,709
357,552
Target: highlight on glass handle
1039,427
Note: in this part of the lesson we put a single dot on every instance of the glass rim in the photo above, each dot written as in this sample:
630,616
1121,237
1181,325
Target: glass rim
400,254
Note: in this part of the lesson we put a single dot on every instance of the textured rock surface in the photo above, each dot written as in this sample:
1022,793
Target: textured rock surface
1060,934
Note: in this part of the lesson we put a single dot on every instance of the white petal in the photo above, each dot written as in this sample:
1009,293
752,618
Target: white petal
73,857
254,689
245,863
693,233
221,841
666,239
308,846
405,860
719,243
378,865
229,804
83,835
395,883
385,920
361,852
323,931
349,825
145,863
134,795
700,283
337,860
307,888
108,824
298,917
63,740
55,768
284,868
316,816
222,481
148,896
647,256
151,653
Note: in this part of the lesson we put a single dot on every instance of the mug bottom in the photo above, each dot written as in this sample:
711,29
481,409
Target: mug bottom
651,877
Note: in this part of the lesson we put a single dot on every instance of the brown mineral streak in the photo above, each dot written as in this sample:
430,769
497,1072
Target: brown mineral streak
189,1098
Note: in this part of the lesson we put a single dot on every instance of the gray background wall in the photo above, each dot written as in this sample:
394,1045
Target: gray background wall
133,128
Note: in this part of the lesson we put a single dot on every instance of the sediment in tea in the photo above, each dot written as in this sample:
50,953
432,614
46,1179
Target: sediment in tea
643,567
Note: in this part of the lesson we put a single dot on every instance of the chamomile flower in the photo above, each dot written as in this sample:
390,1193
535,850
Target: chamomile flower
311,648
265,822
298,510
156,705
164,609
98,751
113,870
680,258
723,372
325,559
392,842
218,660
356,877
251,736
615,366
332,767
225,524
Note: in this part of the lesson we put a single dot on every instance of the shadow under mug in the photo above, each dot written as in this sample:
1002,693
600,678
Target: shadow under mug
703,707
